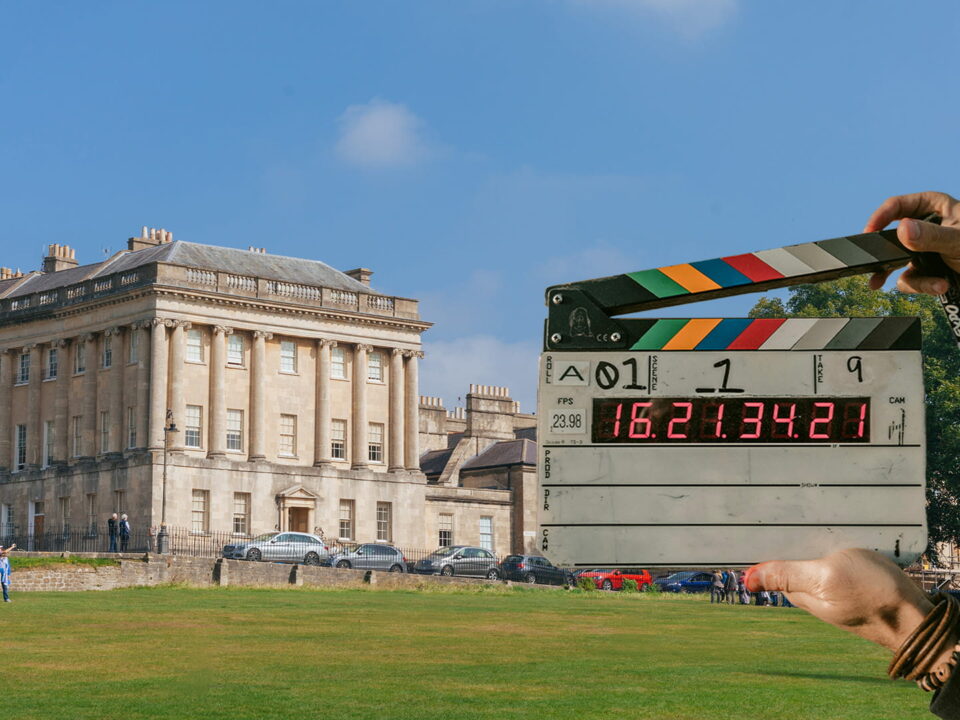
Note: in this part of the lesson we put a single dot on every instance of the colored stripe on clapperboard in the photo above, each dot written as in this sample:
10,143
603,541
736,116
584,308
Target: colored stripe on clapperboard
888,333
767,265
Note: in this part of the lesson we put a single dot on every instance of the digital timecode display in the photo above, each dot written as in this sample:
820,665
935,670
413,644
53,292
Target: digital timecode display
731,420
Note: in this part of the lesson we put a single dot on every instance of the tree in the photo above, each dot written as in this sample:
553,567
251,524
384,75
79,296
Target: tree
851,297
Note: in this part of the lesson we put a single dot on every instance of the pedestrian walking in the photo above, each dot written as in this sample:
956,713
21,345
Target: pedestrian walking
5,571
716,588
731,587
112,523
124,533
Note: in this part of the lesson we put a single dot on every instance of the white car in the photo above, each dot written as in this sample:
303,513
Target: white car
281,547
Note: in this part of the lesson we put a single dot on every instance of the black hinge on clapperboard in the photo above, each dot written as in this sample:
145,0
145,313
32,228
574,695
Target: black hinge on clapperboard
582,314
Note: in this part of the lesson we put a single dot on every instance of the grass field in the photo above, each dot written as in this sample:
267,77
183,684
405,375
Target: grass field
292,653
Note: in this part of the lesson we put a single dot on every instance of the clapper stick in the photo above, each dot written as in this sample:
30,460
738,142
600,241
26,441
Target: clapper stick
581,314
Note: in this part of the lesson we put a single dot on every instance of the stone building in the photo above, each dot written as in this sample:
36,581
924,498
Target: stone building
480,461
293,388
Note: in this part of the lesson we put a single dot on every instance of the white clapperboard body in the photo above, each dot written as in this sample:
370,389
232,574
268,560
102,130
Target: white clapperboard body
726,442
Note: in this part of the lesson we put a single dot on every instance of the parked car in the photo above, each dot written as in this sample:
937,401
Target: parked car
459,560
371,556
613,579
534,569
280,547
687,582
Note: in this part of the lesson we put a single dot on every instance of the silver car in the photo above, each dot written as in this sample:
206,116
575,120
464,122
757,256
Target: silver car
460,560
281,547
371,556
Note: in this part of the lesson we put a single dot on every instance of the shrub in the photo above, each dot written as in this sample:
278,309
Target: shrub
653,589
630,585
586,583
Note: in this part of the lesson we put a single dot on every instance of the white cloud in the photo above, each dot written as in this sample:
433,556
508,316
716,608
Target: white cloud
381,134
451,365
689,18
599,259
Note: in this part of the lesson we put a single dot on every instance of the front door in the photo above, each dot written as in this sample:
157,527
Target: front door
39,543
297,519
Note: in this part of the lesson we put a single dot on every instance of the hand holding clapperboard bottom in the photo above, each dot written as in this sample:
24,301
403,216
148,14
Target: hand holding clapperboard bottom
635,458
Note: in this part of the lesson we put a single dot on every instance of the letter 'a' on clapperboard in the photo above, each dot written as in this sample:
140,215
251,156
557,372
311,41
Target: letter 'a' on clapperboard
709,442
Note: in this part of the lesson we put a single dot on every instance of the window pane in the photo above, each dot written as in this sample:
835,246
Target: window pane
241,513
486,532
384,522
134,346
338,439
288,434
79,358
199,514
445,525
375,366
288,356
234,350
193,424
234,429
338,364
107,351
375,446
53,363
194,346
346,519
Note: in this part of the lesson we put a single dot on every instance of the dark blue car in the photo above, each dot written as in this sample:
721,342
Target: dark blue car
686,581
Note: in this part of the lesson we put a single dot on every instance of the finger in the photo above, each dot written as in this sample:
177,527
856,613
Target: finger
879,279
914,205
787,575
927,237
911,281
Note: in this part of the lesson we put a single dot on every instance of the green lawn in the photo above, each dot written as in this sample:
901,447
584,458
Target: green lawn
259,654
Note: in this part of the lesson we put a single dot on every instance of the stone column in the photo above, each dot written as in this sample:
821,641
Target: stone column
88,436
361,429
321,443
35,428
258,393
61,419
114,390
158,380
141,402
397,411
217,435
6,385
178,405
412,405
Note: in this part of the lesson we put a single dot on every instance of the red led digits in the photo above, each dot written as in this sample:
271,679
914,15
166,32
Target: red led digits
824,432
854,420
711,424
756,422
641,419
779,432
672,433
778,421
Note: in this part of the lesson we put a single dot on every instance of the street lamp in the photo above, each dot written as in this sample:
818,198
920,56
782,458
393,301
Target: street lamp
163,540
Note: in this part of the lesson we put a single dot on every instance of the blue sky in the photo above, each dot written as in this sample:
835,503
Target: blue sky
471,153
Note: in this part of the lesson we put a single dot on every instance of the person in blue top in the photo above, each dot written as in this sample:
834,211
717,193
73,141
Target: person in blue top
5,571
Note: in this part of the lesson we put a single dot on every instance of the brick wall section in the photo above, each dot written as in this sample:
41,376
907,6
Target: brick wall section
135,570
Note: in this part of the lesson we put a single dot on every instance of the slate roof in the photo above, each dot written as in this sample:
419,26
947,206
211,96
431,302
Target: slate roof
205,257
434,461
506,452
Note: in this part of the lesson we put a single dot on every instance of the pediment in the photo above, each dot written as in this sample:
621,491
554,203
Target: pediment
297,492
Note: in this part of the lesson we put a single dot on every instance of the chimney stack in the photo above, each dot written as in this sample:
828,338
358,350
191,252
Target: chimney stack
6,273
149,237
360,274
59,257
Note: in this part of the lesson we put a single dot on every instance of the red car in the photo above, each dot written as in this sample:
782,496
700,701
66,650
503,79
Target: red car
613,579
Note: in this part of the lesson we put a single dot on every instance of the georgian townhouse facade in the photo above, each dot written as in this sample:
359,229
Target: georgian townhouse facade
293,389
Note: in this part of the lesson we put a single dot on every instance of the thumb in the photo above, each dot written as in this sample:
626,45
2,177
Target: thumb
926,237
780,575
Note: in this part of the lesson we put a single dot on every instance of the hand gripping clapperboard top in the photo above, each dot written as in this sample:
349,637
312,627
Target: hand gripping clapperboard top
710,442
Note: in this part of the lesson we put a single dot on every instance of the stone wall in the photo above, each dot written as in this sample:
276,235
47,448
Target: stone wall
134,571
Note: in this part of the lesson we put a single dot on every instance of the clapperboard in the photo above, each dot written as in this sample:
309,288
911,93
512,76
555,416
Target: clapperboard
709,442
